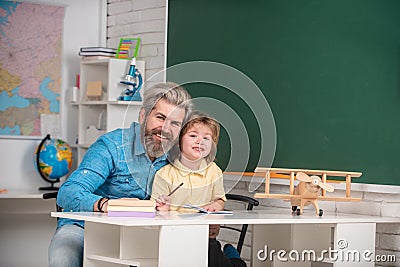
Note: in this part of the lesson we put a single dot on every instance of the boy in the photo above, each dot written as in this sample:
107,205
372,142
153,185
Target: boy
202,181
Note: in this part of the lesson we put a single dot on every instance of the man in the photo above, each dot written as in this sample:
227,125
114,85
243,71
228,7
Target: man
121,163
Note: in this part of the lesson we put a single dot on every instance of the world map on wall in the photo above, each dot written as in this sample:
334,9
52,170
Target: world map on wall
30,65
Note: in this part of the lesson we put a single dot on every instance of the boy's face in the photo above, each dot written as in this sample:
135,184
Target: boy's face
162,127
196,143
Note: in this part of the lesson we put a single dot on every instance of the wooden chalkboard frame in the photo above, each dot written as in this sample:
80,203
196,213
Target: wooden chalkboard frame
330,73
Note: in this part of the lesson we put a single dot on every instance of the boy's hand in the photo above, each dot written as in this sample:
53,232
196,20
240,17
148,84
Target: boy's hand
216,205
162,203
213,230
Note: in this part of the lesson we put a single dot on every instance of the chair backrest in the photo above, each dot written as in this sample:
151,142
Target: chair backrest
250,203
51,195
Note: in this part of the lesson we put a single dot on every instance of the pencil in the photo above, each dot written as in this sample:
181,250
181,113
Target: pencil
173,191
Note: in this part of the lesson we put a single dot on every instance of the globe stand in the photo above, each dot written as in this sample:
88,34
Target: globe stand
51,187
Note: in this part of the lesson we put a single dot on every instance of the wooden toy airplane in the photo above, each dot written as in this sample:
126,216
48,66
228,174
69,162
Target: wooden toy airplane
310,188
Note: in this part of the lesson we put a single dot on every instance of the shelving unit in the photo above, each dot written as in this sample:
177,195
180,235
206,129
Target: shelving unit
106,113
125,246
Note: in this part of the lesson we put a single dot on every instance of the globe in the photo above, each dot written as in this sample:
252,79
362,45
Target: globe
53,160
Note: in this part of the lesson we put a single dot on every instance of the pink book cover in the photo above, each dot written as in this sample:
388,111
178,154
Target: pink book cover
131,214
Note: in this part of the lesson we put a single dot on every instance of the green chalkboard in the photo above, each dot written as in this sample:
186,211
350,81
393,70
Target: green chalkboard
330,71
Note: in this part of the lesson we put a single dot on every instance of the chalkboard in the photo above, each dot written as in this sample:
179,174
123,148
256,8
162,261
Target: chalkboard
330,71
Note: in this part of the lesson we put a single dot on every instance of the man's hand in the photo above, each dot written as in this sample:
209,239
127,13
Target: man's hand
101,205
162,203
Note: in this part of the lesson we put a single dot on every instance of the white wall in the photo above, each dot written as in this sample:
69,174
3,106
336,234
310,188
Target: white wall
84,25
145,19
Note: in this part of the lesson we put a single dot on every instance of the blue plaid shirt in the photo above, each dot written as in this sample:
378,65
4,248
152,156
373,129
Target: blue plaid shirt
115,166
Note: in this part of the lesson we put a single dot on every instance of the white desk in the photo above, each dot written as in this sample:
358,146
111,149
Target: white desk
26,225
26,202
174,239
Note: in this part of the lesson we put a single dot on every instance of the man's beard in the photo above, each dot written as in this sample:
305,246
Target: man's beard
154,148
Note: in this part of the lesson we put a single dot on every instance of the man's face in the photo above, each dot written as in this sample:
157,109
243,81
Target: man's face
162,127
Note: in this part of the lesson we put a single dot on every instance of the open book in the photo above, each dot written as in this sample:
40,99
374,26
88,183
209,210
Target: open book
201,210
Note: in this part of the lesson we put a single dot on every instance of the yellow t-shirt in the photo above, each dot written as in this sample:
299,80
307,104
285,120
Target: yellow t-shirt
199,187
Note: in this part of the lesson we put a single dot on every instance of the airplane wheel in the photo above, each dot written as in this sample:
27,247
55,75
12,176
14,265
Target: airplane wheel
298,211
294,208
321,212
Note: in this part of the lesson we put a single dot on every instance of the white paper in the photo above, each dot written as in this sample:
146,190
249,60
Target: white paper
201,210
50,124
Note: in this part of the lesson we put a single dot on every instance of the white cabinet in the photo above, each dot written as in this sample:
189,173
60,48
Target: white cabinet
145,245
97,115
25,226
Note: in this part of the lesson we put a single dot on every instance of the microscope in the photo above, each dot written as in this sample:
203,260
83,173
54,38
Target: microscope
134,81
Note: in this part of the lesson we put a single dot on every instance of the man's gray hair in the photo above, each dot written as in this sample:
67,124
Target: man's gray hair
170,92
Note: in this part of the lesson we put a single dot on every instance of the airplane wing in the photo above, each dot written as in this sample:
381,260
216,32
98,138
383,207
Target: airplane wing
289,197
280,196
339,199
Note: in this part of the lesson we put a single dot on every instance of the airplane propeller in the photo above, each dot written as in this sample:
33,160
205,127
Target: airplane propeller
314,180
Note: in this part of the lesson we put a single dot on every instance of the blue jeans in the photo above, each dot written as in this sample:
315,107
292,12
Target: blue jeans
66,247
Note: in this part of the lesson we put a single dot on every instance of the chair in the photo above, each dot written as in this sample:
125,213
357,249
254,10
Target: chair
250,202
51,195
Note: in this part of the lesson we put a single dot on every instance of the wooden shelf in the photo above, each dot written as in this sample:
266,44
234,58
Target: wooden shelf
107,112
94,102
84,145
130,262
105,61
126,103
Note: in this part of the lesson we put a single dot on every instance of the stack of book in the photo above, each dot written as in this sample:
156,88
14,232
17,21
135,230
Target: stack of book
131,207
90,53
